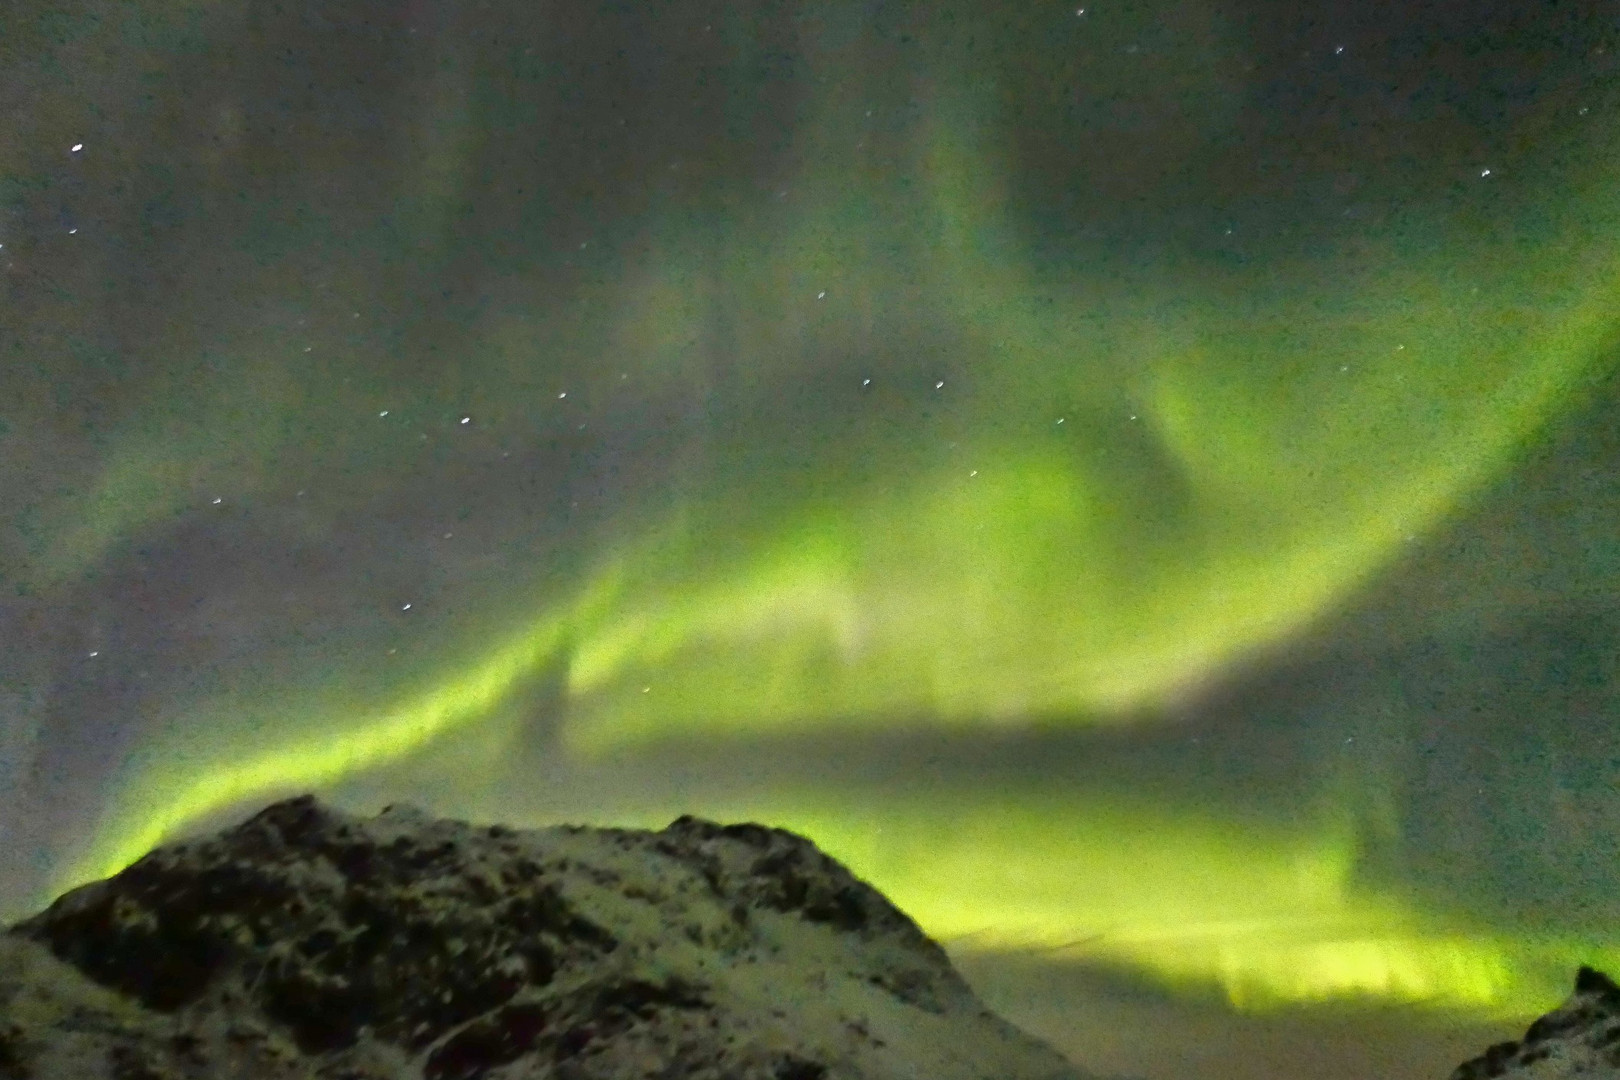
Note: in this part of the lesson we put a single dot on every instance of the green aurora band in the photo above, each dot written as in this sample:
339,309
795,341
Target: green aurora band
1307,430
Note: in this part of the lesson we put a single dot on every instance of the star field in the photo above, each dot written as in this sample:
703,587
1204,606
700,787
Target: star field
867,418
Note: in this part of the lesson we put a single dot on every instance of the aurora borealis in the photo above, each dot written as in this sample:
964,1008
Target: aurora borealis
1133,475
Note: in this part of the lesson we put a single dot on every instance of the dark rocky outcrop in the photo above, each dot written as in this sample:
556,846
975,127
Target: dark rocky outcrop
307,942
1579,1038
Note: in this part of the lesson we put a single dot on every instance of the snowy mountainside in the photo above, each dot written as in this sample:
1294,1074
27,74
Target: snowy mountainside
306,942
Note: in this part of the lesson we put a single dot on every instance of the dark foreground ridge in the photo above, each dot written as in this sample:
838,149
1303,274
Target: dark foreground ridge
1580,1038
309,943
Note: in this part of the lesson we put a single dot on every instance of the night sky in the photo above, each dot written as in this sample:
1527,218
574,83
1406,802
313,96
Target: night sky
1140,481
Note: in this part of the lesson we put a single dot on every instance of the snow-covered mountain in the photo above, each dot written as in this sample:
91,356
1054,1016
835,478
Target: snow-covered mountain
309,943
1580,1038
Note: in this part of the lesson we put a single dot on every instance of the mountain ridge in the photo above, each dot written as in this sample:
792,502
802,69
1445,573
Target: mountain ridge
309,942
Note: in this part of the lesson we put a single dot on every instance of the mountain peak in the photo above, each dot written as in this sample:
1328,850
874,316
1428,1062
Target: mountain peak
309,942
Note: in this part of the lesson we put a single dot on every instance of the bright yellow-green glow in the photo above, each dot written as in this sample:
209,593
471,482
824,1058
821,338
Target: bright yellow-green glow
1309,440
174,792
179,796
1013,588
1269,916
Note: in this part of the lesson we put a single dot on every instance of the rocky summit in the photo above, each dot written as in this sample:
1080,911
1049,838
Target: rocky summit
310,943
1580,1038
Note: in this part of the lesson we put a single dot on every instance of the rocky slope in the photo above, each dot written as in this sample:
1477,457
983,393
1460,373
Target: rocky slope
309,943
1580,1038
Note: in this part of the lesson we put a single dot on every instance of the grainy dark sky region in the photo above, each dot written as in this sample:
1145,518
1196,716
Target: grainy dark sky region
1139,481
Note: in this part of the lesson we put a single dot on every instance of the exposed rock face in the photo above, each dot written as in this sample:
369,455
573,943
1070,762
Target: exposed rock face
1579,1038
308,943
